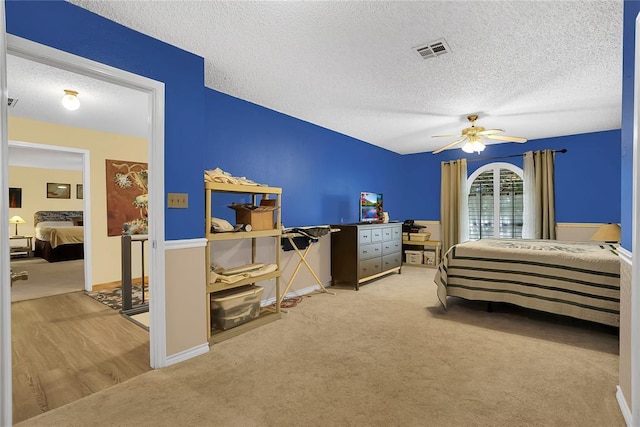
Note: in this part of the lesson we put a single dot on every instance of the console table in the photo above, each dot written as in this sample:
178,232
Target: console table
362,252
127,280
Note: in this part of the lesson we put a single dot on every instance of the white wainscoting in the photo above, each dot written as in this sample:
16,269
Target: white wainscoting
576,231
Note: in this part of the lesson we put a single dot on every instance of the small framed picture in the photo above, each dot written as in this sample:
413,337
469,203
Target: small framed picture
58,191
79,191
15,197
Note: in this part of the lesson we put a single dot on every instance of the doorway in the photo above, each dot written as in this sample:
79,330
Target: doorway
155,137
66,345
30,165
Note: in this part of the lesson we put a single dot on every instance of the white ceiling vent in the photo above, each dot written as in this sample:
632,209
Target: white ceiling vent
12,102
432,49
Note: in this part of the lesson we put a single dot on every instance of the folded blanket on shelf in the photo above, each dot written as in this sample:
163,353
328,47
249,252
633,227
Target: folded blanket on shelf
218,175
216,276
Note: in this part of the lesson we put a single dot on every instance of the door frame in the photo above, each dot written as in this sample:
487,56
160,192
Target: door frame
86,202
633,416
155,131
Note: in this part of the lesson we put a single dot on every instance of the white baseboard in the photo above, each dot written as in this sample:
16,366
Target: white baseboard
622,403
187,354
296,293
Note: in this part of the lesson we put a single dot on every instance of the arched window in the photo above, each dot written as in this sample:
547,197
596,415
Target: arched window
496,202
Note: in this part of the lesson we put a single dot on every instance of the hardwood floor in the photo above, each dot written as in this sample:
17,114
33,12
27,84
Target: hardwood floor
68,346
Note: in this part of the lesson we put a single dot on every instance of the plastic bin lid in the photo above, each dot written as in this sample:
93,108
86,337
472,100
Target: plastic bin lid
236,293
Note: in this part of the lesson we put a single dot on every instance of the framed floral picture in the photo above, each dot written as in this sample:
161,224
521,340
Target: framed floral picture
127,207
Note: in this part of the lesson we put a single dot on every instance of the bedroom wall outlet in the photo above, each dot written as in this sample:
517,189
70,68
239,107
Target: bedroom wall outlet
177,200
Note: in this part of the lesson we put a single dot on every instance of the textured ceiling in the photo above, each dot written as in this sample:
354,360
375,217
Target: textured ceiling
103,106
533,68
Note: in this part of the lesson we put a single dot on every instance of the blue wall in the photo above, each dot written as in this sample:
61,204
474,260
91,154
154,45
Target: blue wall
631,10
587,176
321,172
99,39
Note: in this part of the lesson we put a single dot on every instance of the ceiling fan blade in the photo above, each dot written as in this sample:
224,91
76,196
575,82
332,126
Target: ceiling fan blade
490,131
449,145
446,136
506,138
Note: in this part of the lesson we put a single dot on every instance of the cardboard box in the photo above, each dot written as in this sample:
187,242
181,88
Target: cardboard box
259,217
430,258
413,257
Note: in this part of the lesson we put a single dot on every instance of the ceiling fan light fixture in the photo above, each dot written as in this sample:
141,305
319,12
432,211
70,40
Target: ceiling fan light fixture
70,100
474,136
473,147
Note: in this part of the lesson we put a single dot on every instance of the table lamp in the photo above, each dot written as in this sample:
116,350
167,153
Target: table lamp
609,233
16,220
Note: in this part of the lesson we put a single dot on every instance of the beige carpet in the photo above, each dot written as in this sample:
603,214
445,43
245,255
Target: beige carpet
384,356
46,278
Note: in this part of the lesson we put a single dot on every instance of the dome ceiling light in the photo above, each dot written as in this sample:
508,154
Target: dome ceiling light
70,100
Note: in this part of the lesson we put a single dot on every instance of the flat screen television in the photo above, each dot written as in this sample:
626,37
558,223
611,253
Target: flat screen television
370,207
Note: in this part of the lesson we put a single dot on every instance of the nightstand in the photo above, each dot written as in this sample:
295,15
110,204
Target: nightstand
25,249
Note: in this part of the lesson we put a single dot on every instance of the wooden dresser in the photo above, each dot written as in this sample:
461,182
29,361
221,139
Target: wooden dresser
362,252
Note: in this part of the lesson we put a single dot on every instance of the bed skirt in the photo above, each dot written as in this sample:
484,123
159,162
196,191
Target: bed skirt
68,252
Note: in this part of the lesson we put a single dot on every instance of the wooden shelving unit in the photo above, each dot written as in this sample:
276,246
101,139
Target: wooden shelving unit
433,245
266,315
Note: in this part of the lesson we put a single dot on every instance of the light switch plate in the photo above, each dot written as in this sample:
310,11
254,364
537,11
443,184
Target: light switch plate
178,200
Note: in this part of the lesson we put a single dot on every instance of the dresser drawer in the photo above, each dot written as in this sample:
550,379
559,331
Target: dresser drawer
376,235
397,233
370,251
364,236
387,234
391,247
391,261
370,267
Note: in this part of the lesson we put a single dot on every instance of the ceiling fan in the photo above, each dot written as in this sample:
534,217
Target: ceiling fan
473,136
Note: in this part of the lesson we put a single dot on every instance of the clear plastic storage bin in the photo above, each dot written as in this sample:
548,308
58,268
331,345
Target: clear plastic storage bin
235,307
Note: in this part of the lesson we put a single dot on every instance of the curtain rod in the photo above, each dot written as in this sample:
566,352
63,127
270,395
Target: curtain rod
564,150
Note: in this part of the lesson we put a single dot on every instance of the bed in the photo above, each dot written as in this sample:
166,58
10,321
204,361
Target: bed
59,235
576,279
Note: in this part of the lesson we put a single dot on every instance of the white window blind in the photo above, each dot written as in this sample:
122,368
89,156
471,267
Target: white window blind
496,203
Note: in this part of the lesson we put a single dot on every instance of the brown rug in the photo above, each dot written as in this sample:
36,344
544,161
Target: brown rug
113,297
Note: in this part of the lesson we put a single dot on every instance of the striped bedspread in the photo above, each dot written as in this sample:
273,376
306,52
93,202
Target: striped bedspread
577,279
